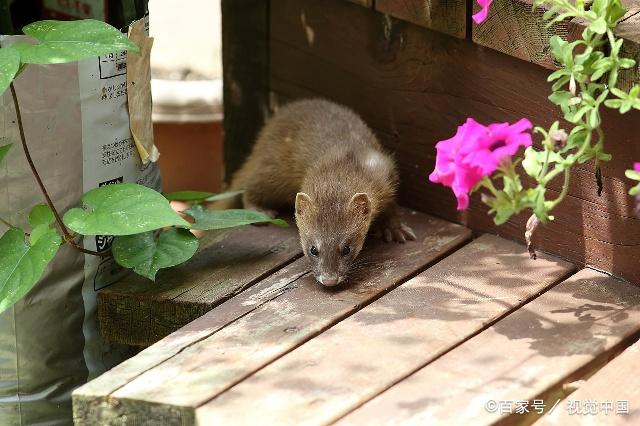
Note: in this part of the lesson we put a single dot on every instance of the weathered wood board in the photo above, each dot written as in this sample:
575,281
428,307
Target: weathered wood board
415,86
139,312
516,28
387,340
252,329
612,388
527,355
445,16
629,29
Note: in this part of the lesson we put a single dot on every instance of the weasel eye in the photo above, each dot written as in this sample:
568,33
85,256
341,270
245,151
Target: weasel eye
314,251
345,250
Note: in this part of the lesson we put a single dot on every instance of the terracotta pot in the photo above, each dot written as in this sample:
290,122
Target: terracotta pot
188,132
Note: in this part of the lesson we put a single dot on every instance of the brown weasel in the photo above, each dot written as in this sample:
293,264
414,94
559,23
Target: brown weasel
322,158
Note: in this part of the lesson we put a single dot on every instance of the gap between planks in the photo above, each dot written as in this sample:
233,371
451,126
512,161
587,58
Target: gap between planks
402,328
553,339
440,238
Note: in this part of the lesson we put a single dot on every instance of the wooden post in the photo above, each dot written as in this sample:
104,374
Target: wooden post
245,52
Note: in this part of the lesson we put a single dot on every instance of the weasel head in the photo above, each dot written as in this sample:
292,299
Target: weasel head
332,235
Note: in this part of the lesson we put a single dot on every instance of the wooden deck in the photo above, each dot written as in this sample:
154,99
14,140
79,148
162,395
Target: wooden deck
447,330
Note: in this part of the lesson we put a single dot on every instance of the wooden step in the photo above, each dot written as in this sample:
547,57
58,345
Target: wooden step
526,356
382,343
611,389
138,312
167,381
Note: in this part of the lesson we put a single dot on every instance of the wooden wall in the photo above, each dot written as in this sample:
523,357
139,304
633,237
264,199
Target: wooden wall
414,86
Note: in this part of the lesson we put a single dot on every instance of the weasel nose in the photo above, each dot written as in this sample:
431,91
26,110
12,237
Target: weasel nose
329,282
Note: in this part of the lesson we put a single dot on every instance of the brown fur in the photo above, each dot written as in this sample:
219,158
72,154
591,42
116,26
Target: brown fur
328,154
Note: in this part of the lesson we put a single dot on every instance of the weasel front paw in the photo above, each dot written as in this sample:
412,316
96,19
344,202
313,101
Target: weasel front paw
394,230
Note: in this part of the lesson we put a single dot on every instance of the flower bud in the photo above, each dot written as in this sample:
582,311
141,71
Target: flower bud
572,85
558,138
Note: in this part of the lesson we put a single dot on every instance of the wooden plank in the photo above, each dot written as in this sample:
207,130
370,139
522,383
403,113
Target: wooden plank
283,314
245,56
418,87
525,356
138,312
516,28
445,16
385,341
614,383
629,29
91,402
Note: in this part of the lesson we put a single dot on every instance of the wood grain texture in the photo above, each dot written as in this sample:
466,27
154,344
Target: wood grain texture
516,28
253,329
138,312
616,381
445,16
416,86
629,29
92,403
524,356
367,352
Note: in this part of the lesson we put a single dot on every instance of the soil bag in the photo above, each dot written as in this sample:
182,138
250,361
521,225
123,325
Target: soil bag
77,127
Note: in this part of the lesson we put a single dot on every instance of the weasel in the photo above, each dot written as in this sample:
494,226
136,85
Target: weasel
323,159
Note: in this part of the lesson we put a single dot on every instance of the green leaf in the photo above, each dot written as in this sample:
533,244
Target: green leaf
9,66
599,26
21,265
146,254
4,149
68,41
219,219
188,195
635,191
41,214
197,196
632,174
122,209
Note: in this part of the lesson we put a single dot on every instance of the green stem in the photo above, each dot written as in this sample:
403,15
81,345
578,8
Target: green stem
6,223
565,190
487,183
67,236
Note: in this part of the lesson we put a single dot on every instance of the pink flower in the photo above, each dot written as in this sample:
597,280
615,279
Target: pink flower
636,167
475,152
480,17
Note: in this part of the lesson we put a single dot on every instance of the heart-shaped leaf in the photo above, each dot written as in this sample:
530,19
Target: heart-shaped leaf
22,265
146,254
9,66
219,219
68,41
122,209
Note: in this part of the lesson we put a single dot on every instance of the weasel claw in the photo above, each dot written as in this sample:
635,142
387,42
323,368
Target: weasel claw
398,232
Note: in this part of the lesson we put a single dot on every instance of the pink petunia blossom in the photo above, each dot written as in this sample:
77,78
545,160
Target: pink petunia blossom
636,167
475,152
480,17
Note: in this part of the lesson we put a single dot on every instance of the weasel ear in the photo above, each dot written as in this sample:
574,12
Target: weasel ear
360,205
303,203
